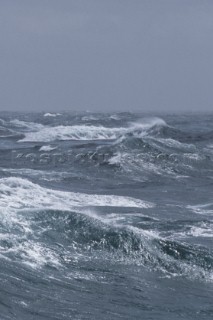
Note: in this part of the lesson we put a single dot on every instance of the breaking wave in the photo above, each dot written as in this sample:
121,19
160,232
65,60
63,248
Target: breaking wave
30,126
54,229
19,194
93,204
86,132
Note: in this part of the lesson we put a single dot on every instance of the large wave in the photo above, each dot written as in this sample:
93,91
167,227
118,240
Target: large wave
55,227
18,193
86,132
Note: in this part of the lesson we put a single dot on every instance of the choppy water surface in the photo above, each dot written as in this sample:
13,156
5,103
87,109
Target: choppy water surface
106,216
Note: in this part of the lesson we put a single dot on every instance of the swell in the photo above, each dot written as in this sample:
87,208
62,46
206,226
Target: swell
87,236
54,228
20,236
91,233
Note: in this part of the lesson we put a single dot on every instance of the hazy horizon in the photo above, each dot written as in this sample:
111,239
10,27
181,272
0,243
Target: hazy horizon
106,56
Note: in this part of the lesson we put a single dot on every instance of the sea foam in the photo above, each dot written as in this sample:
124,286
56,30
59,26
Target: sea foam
89,132
21,194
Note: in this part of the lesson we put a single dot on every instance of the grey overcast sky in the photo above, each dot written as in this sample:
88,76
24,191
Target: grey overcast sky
106,55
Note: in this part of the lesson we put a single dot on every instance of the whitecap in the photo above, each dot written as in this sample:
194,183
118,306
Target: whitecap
202,231
115,117
47,148
19,194
48,114
77,132
202,208
89,118
33,126
87,132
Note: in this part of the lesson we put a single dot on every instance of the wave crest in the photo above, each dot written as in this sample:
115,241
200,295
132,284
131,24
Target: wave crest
89,132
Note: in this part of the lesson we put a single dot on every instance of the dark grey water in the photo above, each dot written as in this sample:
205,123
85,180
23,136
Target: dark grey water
106,216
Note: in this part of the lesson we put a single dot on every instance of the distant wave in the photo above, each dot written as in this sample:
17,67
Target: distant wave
51,114
31,126
77,132
47,148
4,132
9,133
2,122
85,132
89,118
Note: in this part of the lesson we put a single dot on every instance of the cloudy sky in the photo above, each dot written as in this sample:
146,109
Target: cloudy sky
106,55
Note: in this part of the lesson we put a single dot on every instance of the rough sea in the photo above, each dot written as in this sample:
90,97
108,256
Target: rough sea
106,216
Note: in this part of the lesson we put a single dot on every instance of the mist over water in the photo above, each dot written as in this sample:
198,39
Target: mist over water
106,216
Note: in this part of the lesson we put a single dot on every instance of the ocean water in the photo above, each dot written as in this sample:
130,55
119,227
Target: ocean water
106,216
